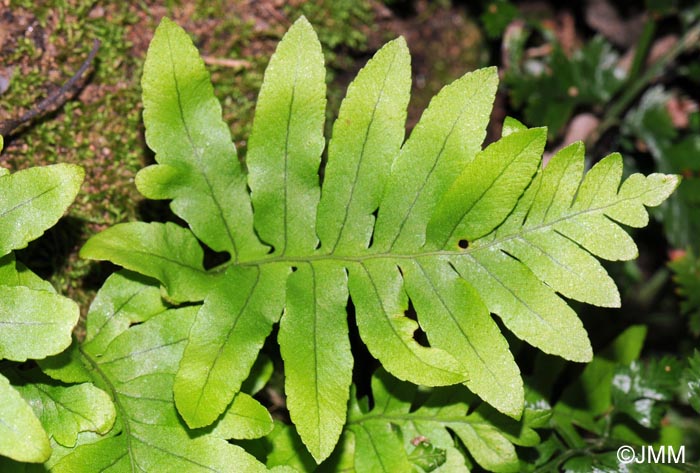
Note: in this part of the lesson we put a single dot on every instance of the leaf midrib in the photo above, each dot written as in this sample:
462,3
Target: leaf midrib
290,110
474,248
18,206
114,394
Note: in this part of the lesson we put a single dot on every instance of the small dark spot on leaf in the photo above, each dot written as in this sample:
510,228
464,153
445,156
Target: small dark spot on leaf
463,244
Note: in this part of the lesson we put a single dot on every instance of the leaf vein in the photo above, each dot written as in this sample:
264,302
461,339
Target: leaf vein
483,193
438,294
196,151
362,155
430,173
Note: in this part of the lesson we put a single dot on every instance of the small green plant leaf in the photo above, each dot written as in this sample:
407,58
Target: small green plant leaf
587,399
591,393
691,378
32,200
22,437
35,324
197,165
640,390
427,238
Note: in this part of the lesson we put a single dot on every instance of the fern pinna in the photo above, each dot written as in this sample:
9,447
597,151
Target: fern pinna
460,232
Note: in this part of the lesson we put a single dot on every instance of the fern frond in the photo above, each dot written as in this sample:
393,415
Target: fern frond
459,232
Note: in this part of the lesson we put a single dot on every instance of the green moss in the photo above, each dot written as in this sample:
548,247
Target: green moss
99,128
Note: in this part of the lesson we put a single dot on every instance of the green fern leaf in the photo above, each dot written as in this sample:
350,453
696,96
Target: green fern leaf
22,437
391,432
166,252
36,322
458,232
136,366
225,339
65,411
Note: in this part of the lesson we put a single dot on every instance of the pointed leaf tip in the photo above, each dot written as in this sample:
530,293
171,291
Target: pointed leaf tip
300,22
